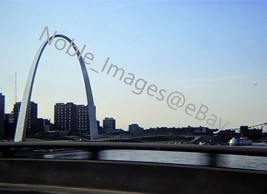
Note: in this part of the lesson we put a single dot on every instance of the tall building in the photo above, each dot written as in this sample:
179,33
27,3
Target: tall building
109,123
32,116
2,115
82,118
65,117
9,126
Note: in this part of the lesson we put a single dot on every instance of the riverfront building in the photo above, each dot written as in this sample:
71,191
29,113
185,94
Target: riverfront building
82,118
135,129
2,114
109,123
71,117
9,126
32,116
65,117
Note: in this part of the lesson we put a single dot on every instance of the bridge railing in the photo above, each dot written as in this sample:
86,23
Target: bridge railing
212,151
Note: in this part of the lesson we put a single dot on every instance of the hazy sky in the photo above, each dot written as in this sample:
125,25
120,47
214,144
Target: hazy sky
214,53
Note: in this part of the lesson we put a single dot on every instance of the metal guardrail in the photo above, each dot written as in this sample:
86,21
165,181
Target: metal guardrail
100,146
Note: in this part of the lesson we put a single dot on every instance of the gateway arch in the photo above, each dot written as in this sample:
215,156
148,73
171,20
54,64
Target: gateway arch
23,113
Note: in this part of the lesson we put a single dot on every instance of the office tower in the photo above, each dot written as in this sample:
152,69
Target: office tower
32,116
109,123
9,126
82,118
2,115
65,117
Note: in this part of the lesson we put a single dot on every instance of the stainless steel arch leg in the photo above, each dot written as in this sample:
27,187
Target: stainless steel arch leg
22,119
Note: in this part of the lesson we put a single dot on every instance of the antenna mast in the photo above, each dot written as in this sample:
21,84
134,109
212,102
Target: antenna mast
15,87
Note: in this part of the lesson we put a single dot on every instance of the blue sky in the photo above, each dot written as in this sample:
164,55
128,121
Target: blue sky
213,52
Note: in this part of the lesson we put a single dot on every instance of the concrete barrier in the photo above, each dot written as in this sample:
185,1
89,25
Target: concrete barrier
89,176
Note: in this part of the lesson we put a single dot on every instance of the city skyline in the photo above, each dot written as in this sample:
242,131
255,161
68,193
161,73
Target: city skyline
218,60
81,113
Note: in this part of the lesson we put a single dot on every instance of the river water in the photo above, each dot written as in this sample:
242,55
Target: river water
229,161
188,158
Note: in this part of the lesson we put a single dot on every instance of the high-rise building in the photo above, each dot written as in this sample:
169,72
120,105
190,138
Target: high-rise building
65,117
9,126
32,116
82,118
2,115
109,123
